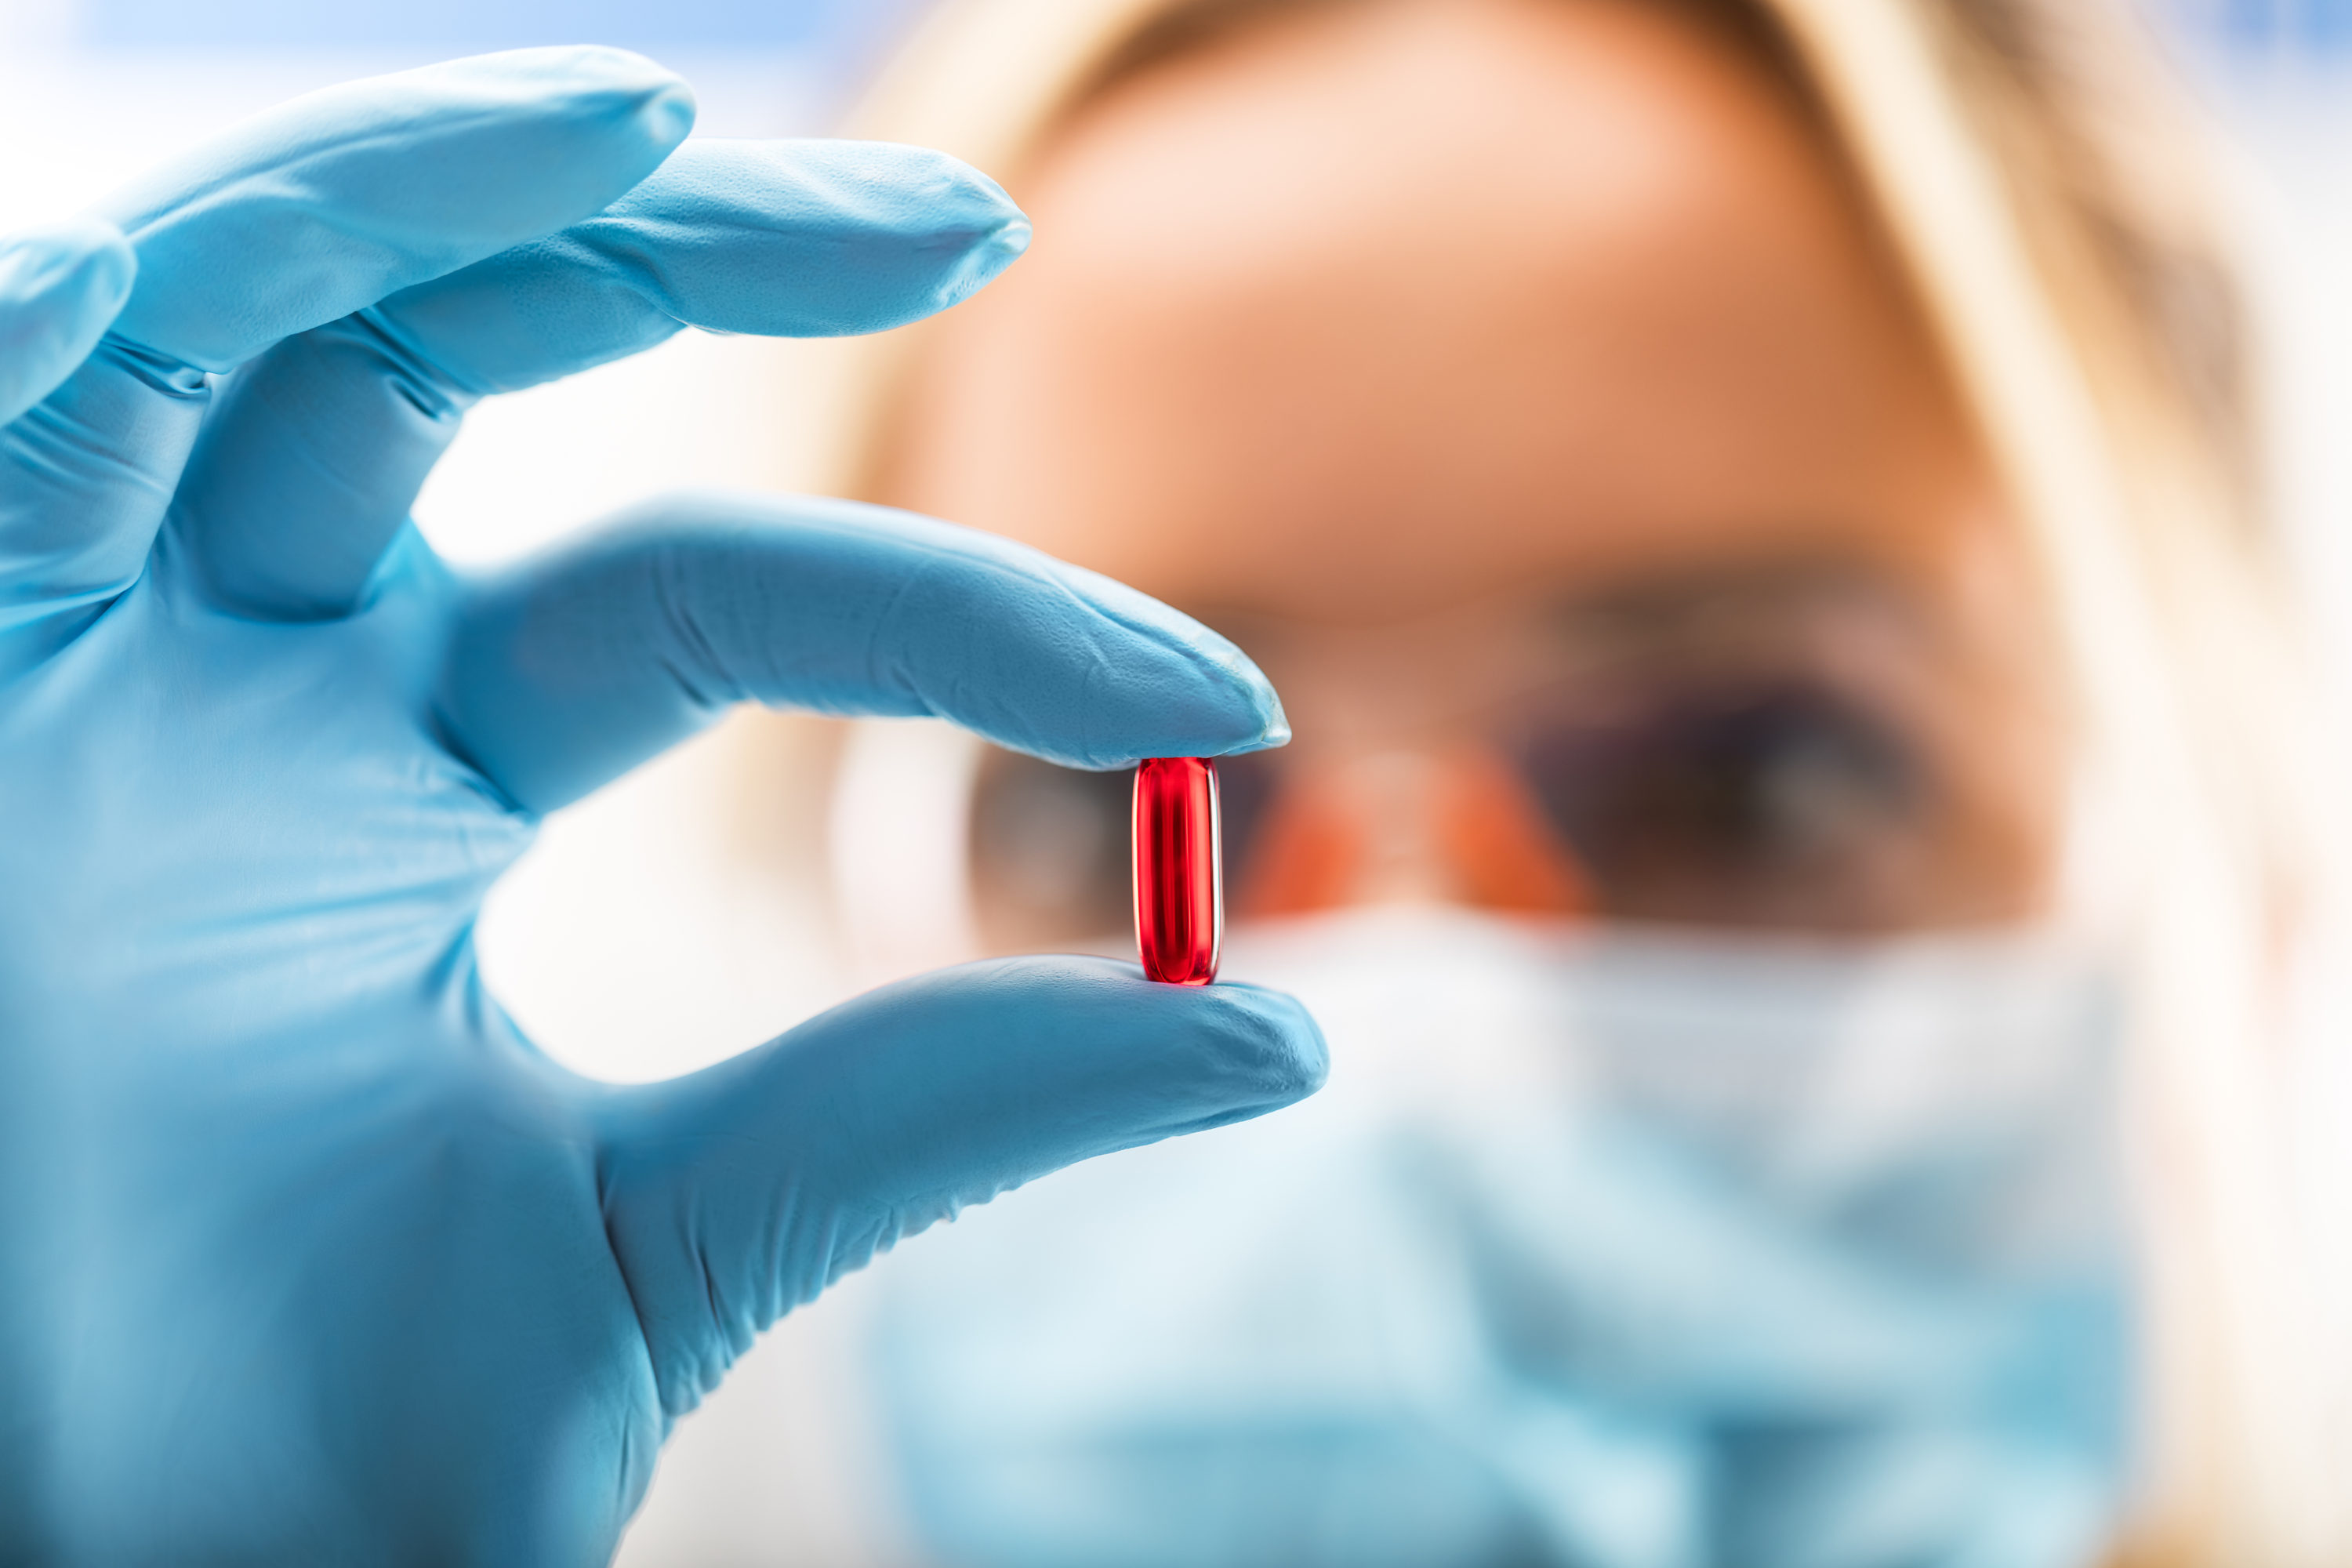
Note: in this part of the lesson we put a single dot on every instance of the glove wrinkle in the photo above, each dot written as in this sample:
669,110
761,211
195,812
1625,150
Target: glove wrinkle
433,391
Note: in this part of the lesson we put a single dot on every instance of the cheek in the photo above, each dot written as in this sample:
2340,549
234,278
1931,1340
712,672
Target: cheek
2003,727
2002,738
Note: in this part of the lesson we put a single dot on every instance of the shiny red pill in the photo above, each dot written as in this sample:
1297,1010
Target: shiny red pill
1180,896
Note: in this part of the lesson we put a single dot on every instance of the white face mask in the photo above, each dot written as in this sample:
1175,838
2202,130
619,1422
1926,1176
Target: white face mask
1612,1250
1943,1098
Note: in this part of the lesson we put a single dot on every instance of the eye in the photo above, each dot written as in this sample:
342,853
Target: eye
1782,805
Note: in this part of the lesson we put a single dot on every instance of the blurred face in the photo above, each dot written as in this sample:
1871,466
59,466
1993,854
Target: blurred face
1521,383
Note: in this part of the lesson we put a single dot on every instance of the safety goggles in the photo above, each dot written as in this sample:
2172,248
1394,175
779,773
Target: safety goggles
1790,754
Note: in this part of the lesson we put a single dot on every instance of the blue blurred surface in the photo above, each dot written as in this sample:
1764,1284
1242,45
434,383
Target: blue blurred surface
485,23
2265,27
844,29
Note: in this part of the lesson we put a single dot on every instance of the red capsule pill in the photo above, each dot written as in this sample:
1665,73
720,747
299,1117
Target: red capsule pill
1180,896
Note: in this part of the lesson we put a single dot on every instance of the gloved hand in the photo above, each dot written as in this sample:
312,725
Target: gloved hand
305,1255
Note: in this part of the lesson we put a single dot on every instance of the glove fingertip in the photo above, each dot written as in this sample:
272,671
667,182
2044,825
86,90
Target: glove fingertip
602,81
1276,732
1276,1044
60,287
670,111
1165,685
1270,725
97,261
995,248
655,105
956,228
625,113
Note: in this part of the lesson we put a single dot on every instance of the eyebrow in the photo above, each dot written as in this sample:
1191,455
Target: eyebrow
1660,602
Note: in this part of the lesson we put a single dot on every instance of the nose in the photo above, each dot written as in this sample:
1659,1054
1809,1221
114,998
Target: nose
1409,826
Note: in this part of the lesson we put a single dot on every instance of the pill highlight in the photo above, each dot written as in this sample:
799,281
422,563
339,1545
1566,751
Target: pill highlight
1179,899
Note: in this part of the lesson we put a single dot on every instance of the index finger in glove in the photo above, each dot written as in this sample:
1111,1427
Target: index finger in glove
336,199
572,669
736,1194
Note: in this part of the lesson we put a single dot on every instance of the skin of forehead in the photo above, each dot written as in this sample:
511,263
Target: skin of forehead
1374,310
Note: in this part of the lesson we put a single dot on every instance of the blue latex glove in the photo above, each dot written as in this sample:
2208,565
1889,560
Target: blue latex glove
305,1255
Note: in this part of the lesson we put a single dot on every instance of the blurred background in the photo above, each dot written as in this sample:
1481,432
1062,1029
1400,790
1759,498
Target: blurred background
782,1465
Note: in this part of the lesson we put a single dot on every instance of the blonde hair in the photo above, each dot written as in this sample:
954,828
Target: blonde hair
2052,219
